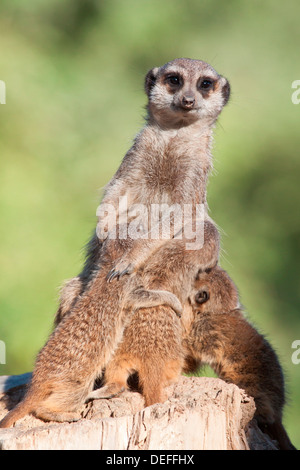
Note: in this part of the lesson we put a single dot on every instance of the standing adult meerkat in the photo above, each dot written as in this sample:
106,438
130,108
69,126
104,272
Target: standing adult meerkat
220,335
169,161
168,164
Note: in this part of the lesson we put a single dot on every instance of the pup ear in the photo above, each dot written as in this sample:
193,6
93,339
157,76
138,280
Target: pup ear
150,80
225,89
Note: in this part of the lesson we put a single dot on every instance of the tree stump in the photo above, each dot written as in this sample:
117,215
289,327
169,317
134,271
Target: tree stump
200,414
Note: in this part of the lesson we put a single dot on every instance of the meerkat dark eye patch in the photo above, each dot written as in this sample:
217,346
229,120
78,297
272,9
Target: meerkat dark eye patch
205,84
201,297
174,80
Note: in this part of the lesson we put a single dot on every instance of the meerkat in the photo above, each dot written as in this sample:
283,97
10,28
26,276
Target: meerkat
152,342
221,336
168,163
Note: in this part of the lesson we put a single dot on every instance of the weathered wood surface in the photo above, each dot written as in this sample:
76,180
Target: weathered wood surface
201,413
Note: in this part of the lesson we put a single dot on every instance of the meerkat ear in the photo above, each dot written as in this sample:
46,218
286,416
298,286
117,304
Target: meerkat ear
150,80
225,89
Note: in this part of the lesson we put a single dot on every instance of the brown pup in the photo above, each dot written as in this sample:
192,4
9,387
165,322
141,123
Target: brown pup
152,342
168,164
221,337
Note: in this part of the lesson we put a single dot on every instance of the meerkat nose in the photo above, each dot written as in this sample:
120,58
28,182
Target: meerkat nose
188,101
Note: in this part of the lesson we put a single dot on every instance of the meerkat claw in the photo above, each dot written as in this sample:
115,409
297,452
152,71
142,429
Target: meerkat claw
117,273
111,275
125,271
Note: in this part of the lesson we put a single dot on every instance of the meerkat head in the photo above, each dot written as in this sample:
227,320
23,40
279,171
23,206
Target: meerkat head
214,292
184,91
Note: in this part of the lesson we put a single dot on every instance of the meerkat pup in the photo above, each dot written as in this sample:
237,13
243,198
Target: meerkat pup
168,164
152,342
221,337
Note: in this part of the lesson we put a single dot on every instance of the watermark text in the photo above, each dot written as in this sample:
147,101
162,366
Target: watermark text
296,354
2,352
2,92
296,95
152,222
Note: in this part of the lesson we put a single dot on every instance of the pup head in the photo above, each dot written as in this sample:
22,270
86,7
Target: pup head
214,292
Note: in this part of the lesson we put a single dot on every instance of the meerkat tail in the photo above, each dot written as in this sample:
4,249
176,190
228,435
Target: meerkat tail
151,382
276,431
22,409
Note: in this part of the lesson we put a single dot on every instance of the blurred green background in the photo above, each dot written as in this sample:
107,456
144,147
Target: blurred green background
74,74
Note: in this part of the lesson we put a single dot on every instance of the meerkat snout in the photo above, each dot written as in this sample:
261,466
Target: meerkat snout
188,101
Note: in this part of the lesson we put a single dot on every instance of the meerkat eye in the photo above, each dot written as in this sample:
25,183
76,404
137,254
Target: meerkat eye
174,79
201,297
206,84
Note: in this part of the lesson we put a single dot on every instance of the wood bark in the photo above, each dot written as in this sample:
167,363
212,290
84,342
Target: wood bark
200,414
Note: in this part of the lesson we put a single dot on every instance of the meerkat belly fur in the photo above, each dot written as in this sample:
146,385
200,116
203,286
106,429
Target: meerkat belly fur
169,162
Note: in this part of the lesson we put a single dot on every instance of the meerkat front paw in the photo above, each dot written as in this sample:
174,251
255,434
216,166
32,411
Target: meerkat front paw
172,301
121,268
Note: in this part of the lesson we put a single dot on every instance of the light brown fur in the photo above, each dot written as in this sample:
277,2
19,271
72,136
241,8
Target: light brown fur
168,163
